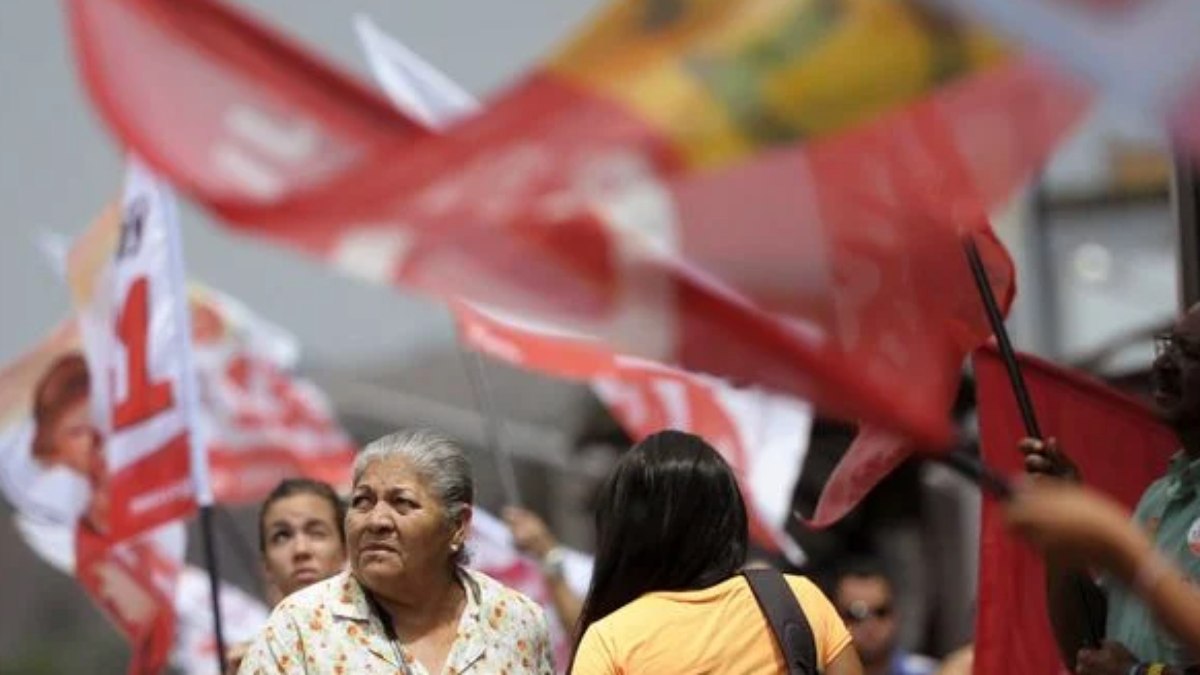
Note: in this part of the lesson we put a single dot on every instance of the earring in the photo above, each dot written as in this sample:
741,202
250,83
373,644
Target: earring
455,548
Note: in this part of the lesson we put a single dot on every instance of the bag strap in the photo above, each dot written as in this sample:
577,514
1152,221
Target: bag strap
792,633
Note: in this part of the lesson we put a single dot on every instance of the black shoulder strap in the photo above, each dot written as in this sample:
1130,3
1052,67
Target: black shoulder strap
792,632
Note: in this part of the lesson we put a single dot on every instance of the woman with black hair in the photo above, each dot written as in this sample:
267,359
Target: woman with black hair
666,594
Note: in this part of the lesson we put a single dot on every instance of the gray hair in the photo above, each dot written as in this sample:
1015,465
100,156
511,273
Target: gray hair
439,461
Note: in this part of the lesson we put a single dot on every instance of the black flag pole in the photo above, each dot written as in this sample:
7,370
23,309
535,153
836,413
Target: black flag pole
1024,401
214,581
973,468
1007,354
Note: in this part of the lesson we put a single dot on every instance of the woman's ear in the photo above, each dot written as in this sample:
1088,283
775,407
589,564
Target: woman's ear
462,529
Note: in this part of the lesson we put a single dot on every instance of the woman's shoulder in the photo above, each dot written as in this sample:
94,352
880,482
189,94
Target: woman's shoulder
810,595
802,584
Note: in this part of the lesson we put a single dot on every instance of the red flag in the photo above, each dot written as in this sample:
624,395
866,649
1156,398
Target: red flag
134,583
763,437
709,203
502,209
1119,446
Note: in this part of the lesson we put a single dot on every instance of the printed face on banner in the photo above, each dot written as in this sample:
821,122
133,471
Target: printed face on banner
52,464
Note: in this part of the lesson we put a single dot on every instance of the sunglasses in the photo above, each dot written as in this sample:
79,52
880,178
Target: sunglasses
1172,344
858,612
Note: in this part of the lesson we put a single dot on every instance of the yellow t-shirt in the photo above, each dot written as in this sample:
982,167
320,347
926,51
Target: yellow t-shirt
715,630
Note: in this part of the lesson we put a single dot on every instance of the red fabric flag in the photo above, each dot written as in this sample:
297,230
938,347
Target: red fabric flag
133,582
567,206
262,422
1119,446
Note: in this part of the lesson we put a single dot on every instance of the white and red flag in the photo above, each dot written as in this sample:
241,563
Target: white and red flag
136,329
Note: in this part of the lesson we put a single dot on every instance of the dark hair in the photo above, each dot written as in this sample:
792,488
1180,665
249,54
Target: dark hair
859,568
65,383
670,518
290,487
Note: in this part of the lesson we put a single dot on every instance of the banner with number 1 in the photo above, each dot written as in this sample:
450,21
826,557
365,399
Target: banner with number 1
136,333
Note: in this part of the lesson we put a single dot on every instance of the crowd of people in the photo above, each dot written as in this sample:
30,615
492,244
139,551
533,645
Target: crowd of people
382,582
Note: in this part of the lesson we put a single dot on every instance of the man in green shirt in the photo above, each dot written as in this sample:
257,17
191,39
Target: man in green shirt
1080,609
1169,511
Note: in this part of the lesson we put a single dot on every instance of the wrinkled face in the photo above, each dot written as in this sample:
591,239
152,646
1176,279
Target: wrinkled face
76,443
1176,372
865,604
397,528
302,543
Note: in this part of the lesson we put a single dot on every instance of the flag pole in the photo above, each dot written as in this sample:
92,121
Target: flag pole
1007,353
477,374
198,444
973,468
214,581
1020,390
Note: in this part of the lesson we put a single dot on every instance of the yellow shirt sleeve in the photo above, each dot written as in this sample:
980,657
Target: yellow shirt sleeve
594,655
829,631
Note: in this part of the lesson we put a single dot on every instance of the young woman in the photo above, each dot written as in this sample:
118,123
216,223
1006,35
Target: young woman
666,595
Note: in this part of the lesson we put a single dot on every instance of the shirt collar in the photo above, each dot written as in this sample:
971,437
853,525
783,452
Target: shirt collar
469,643
349,601
1183,473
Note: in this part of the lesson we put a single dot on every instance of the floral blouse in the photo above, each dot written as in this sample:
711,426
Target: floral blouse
329,628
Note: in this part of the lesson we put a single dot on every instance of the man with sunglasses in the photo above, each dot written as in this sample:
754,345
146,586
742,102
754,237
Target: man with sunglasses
1169,512
863,595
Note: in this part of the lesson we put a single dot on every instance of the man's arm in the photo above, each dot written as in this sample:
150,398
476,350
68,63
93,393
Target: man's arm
1077,606
531,536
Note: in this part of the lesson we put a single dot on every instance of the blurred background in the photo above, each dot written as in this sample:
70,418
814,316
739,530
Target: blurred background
1095,242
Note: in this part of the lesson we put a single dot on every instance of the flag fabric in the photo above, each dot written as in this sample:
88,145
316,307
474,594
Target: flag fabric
136,333
145,594
98,430
259,422
50,462
763,436
583,198
132,582
493,553
421,91
1117,45
1120,448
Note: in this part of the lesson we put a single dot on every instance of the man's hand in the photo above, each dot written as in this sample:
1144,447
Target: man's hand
1112,658
1043,458
529,532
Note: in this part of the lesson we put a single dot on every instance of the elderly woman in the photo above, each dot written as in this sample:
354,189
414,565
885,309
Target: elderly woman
406,604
